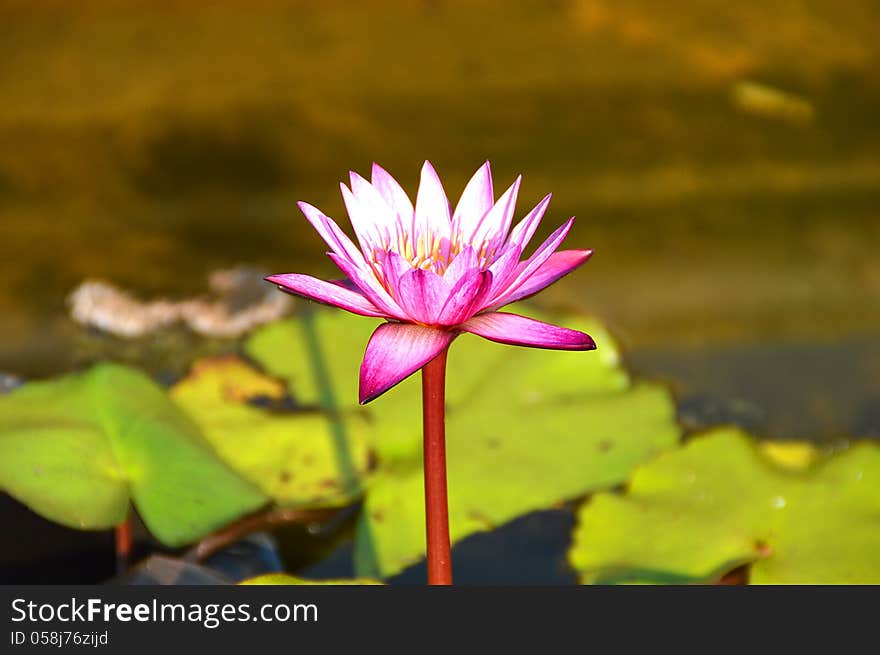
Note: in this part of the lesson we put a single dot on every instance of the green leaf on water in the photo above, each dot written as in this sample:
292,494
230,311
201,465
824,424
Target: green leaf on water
77,449
506,459
526,428
300,458
333,342
723,501
285,579
328,341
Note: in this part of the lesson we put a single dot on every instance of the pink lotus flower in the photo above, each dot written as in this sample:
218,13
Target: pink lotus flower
434,273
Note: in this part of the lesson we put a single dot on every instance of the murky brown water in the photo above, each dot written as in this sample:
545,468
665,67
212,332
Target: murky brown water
735,232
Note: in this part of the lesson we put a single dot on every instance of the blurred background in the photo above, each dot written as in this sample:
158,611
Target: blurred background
723,160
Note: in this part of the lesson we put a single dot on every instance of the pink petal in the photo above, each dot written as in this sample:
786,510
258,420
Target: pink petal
518,330
396,351
395,267
465,297
493,227
366,233
422,294
503,269
345,283
464,263
476,199
329,293
522,233
533,263
332,234
371,217
496,223
432,206
393,194
557,265
369,286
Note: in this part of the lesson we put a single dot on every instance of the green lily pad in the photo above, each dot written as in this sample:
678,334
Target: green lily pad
77,449
321,346
723,501
285,579
505,460
326,346
544,427
302,458
319,356
526,428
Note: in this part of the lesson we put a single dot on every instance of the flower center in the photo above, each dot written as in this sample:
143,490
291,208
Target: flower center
429,251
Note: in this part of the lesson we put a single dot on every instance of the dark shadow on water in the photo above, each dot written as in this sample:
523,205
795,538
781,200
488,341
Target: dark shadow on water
530,550
37,551
819,391
187,155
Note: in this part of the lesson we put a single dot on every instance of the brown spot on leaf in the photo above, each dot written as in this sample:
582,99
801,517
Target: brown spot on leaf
208,364
236,381
605,445
285,476
493,443
763,549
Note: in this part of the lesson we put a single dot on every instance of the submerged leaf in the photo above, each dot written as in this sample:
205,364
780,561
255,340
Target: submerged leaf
720,502
795,455
301,458
77,448
285,579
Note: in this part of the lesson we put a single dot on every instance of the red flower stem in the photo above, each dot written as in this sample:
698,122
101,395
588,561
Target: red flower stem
124,544
436,507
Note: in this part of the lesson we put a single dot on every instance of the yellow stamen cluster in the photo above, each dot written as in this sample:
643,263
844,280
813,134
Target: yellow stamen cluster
430,252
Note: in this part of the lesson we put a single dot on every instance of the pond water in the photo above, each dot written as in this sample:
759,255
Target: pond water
725,167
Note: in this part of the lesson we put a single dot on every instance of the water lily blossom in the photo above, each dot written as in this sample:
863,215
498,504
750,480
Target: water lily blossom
434,272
